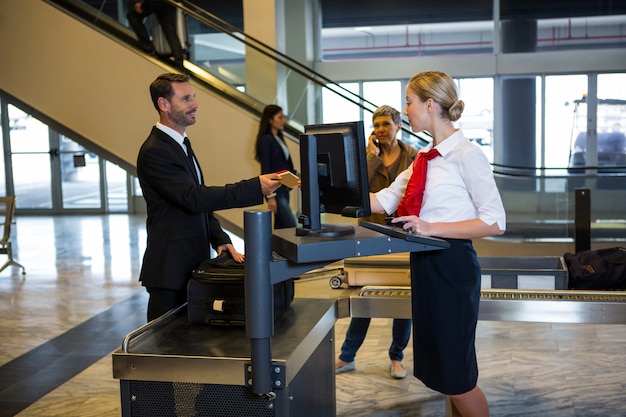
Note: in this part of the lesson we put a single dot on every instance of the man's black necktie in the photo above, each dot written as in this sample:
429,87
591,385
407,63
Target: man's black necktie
190,154
191,157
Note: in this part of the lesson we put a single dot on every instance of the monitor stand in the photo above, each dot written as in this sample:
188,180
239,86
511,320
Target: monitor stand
327,230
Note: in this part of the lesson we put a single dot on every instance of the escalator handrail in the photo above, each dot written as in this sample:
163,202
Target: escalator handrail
103,22
292,64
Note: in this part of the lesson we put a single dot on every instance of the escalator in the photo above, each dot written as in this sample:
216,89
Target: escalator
95,87
82,73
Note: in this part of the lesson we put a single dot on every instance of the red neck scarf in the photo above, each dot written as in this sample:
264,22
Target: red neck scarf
411,202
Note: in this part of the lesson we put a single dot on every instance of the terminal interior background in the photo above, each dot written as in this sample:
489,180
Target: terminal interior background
74,109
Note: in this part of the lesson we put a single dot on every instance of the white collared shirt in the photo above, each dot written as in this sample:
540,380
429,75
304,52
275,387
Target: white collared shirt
459,186
178,138
283,145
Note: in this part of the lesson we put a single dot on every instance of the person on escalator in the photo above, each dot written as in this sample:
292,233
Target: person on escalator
166,15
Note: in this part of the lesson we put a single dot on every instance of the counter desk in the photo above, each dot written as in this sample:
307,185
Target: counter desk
283,368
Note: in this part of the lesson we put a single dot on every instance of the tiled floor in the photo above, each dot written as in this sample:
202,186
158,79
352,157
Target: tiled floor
80,297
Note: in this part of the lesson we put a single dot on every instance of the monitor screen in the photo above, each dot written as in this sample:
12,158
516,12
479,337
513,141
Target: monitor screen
333,177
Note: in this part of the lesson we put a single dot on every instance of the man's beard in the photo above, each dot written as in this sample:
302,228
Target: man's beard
183,119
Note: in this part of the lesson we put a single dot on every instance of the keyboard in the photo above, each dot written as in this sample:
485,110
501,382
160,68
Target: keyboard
400,233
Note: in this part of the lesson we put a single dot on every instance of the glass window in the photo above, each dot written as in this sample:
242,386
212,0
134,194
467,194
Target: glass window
379,93
353,29
477,119
30,158
117,190
590,30
562,122
80,175
336,108
611,119
537,26
612,86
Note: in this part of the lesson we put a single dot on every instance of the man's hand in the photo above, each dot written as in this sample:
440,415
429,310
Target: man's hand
269,183
237,257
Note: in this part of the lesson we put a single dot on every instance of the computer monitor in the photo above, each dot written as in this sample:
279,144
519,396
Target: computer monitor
333,177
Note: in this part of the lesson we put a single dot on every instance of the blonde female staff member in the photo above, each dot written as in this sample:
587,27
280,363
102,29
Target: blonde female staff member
460,202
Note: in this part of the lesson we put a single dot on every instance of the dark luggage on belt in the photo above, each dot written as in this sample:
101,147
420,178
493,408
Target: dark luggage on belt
600,269
215,293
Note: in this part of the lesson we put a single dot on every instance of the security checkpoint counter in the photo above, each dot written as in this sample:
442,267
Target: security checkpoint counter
286,368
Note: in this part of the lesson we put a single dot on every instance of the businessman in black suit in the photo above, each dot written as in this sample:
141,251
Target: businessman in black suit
180,223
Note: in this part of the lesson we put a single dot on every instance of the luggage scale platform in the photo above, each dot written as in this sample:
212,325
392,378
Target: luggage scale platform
170,364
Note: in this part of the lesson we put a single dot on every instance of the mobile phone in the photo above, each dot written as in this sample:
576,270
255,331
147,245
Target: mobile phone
376,141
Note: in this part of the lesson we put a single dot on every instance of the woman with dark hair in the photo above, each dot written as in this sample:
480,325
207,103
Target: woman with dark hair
272,152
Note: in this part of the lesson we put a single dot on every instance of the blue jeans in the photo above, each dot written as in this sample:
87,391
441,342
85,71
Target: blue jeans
401,331
284,217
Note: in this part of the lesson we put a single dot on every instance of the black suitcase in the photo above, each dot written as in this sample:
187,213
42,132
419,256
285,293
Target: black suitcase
215,293
600,269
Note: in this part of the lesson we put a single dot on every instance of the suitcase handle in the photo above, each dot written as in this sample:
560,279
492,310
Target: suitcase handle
224,305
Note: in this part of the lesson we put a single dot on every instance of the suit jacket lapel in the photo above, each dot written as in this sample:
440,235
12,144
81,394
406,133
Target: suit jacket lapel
179,152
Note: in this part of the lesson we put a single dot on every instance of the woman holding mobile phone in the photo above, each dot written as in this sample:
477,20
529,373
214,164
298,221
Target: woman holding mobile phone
386,158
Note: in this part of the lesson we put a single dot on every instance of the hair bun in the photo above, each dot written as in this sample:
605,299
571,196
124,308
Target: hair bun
456,110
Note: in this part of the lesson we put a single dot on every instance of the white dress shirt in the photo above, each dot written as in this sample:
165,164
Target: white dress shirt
459,186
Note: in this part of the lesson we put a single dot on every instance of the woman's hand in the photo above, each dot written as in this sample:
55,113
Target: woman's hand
415,225
272,204
371,144
465,229
237,257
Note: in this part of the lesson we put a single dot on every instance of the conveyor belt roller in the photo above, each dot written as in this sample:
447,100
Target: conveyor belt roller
551,306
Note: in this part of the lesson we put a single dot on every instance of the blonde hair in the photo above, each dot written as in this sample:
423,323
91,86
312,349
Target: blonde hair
441,88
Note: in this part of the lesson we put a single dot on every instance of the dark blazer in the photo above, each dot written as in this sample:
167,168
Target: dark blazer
180,222
272,158
271,155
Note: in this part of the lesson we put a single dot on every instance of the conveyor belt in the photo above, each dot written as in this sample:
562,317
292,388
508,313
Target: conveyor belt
560,306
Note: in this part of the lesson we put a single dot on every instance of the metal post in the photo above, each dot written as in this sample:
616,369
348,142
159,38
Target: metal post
258,294
582,219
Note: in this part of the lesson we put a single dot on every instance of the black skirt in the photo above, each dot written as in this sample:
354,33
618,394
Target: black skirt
446,295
